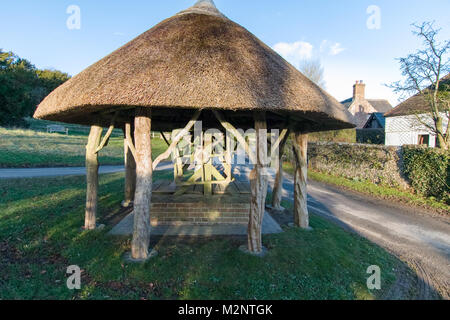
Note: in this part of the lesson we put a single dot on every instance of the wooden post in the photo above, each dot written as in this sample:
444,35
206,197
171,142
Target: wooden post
258,183
277,192
207,164
144,172
130,172
300,146
92,177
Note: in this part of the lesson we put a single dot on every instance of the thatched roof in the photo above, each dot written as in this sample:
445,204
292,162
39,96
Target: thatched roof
416,104
197,59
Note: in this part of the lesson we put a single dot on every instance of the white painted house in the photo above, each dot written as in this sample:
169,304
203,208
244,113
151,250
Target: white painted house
404,123
407,129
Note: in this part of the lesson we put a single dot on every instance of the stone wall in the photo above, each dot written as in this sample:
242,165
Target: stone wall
375,163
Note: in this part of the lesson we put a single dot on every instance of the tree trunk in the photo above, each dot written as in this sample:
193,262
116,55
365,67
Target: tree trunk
144,172
130,174
277,192
258,183
301,216
441,143
92,177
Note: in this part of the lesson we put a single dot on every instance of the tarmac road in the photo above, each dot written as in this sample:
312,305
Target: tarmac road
413,235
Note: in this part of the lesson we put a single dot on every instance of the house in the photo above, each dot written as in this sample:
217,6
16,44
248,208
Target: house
405,123
376,121
361,108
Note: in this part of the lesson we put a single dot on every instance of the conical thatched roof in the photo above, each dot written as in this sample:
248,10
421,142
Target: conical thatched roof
197,59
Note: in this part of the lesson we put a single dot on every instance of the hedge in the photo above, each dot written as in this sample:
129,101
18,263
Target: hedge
428,171
370,136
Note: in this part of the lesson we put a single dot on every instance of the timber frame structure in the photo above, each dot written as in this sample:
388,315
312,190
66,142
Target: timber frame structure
195,66
139,168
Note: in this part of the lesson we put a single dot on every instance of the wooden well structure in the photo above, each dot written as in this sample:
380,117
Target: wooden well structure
195,66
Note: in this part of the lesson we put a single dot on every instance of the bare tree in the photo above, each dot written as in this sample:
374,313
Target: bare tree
423,72
313,70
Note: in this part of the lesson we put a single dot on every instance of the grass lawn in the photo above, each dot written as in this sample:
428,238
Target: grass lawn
380,191
29,148
40,237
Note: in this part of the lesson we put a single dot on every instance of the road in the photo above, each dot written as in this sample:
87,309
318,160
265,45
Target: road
63,171
414,236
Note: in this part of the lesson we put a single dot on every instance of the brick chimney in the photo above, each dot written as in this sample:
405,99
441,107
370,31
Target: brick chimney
359,89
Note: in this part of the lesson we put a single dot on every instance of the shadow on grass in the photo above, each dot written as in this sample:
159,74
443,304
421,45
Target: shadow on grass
42,239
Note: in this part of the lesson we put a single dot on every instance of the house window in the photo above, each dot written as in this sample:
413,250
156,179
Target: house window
424,139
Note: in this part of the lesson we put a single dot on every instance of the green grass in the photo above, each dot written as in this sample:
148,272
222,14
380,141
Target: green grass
381,191
40,237
21,148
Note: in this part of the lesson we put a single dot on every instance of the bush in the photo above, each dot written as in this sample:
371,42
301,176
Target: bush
345,135
370,136
428,171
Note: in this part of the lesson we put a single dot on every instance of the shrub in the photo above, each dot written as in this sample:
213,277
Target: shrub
428,171
370,136
345,135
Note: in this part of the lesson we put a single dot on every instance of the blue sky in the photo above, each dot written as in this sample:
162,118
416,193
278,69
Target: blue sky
334,31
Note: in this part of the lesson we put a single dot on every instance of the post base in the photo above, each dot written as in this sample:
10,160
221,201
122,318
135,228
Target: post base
97,227
292,225
244,249
127,257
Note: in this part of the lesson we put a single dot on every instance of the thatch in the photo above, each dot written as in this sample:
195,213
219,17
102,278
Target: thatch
197,59
417,104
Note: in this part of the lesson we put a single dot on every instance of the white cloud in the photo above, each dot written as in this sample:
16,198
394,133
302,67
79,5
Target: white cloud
330,48
336,48
295,52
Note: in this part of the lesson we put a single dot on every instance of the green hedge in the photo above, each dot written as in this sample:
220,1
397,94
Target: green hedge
345,135
428,170
370,136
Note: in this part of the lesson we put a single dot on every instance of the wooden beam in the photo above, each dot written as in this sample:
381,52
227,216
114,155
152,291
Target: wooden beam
258,184
300,146
240,138
144,173
108,133
277,190
92,177
130,175
129,139
177,139
165,139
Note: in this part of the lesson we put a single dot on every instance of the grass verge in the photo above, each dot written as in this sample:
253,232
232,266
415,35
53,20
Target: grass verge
21,148
379,191
40,237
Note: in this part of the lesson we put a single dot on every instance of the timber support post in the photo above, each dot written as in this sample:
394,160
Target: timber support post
300,146
130,171
258,184
142,198
92,177
277,191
